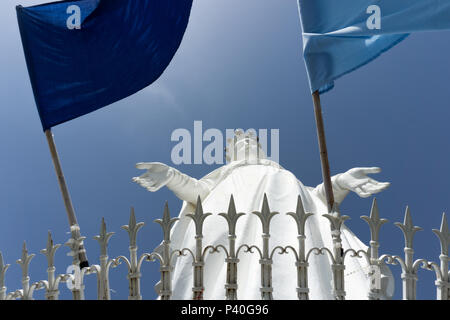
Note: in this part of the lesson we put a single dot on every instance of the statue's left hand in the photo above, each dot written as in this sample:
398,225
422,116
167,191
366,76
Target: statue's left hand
356,180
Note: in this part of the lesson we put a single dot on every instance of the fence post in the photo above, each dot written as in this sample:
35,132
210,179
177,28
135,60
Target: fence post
375,224
300,218
103,238
443,284
198,217
3,269
134,275
24,263
231,216
338,267
78,286
165,268
409,276
52,292
266,262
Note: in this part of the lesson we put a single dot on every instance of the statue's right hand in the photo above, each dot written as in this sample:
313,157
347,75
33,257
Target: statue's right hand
157,176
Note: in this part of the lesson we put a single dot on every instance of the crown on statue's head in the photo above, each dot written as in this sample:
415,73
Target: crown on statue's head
239,137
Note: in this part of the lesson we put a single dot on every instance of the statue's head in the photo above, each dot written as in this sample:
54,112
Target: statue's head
244,146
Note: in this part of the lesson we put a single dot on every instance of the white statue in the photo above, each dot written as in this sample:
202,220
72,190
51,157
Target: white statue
248,176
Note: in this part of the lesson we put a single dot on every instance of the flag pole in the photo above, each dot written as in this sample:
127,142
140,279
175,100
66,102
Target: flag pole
74,228
323,151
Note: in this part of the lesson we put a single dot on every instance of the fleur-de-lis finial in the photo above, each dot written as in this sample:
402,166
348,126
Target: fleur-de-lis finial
103,238
24,261
50,250
300,216
374,221
132,228
3,269
265,215
231,216
166,222
408,228
335,218
198,217
443,235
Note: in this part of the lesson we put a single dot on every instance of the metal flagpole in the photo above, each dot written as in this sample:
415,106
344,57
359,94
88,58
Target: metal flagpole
323,151
74,228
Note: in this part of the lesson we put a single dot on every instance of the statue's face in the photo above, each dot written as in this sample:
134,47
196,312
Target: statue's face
247,147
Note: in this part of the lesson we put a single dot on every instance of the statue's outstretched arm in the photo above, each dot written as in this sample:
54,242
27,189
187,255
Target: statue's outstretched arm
339,193
355,180
183,186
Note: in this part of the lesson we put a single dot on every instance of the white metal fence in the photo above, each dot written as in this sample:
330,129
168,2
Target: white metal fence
75,279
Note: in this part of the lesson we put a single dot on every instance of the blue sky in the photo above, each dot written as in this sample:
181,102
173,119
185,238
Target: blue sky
239,66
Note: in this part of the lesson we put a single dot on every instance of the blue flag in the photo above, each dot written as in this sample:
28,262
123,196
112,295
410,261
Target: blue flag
86,54
340,36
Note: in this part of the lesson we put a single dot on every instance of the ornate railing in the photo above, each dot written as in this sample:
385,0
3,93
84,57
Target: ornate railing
166,256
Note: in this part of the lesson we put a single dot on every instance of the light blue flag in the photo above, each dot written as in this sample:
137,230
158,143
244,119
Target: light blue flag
340,36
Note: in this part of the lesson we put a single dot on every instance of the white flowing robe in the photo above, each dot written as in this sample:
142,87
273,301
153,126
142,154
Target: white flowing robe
248,183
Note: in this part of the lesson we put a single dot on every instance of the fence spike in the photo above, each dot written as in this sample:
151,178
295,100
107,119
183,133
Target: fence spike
265,215
338,267
409,275
24,263
165,269
3,268
50,251
134,275
52,291
444,235
443,284
132,228
25,260
231,260
300,216
231,216
103,238
198,217
166,222
374,221
408,228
